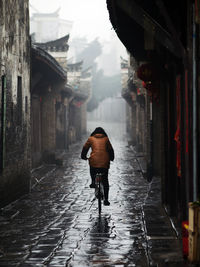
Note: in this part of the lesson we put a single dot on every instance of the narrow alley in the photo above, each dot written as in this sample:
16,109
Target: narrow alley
69,69
57,224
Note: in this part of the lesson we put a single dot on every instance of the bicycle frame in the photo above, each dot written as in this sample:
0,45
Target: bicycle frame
99,190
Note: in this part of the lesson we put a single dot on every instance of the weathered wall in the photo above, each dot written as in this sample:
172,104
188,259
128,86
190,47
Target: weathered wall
74,123
62,123
49,109
48,122
14,99
158,136
77,121
36,140
84,118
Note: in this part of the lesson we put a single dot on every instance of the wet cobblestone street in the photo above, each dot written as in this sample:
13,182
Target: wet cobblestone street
58,224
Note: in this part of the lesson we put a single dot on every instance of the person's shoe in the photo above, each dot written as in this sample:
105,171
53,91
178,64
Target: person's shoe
106,203
92,186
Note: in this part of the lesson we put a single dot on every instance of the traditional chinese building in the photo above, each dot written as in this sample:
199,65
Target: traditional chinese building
48,26
80,81
165,49
75,113
58,49
49,109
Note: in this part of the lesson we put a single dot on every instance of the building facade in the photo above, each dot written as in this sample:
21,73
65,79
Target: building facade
58,49
80,81
49,107
14,100
165,50
71,105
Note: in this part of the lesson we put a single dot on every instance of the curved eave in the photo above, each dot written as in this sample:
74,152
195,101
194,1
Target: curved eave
41,55
127,18
38,14
61,41
128,31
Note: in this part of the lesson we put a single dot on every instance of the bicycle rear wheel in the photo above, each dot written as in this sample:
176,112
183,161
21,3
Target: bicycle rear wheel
99,200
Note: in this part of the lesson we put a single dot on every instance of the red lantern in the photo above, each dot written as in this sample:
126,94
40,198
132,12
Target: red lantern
143,84
146,72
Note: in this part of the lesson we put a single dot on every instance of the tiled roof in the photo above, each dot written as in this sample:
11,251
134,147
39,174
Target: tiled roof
42,55
56,45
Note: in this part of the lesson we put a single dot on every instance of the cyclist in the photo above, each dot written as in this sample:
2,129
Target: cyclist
101,155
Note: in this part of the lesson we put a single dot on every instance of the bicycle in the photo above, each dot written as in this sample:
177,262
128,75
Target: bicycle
99,190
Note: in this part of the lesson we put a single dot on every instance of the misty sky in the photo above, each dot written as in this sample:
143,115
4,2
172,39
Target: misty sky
90,17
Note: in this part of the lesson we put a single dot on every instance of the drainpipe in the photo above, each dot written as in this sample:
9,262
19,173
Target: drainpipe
194,119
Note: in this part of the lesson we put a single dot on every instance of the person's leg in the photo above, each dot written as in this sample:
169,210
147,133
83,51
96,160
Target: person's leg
93,172
106,187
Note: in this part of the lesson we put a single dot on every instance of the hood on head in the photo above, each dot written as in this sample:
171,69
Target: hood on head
99,135
98,130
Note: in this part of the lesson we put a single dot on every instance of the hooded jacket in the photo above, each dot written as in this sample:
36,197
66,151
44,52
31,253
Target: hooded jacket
102,151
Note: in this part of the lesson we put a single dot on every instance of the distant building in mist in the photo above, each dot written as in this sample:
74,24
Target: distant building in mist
74,74
76,47
110,58
49,26
110,110
124,73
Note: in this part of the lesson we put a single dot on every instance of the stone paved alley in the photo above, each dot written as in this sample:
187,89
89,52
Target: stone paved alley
57,224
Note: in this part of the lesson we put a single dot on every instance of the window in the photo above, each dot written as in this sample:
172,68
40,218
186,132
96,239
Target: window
19,100
26,104
3,123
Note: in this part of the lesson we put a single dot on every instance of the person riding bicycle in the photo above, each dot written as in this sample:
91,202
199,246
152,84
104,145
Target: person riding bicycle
101,155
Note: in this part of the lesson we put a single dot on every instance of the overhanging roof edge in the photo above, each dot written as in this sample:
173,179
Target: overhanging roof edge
137,13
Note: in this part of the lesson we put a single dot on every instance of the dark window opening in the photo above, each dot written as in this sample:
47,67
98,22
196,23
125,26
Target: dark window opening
12,112
26,104
3,123
19,100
